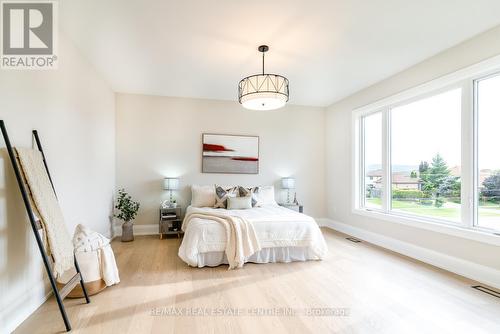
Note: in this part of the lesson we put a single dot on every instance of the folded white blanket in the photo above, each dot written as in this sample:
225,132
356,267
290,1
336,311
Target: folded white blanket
86,240
241,238
45,201
109,270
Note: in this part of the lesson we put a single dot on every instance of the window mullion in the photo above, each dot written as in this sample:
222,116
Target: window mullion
386,160
467,160
362,163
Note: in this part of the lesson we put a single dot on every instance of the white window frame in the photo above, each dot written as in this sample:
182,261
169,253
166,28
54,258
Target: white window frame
361,147
475,173
466,79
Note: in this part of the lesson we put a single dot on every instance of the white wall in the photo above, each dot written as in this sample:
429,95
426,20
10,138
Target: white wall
161,136
338,148
73,110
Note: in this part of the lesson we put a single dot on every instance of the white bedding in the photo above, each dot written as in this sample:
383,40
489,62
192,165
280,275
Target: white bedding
276,227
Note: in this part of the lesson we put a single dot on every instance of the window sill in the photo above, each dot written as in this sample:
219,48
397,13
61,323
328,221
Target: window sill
456,231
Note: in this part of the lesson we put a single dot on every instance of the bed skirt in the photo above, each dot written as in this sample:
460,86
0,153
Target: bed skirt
265,255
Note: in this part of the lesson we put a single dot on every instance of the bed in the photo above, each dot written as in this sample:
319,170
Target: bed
284,235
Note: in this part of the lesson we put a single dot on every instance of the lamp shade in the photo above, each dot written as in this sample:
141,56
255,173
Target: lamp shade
288,183
170,183
263,91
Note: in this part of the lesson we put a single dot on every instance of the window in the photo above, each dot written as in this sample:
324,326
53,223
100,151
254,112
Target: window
426,157
372,151
488,152
431,154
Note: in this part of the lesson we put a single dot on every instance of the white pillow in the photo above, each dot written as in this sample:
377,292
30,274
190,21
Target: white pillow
202,196
266,196
239,203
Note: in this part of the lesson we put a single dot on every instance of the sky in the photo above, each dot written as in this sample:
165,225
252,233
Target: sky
489,123
426,127
423,128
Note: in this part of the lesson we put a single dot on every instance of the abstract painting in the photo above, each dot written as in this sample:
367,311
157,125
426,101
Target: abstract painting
230,154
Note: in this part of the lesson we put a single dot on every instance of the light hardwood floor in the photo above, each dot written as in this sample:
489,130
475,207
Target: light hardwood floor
383,292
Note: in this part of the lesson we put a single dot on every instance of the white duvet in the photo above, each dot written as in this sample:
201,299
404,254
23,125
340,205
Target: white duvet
275,226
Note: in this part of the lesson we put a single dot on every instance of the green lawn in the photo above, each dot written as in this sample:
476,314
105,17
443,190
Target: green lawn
489,204
431,211
427,210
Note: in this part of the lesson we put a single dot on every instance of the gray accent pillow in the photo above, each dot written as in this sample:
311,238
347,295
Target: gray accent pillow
239,203
221,196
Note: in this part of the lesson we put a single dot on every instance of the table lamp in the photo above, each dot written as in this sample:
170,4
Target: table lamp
288,183
170,184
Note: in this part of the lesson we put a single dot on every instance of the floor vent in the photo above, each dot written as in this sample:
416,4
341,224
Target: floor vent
353,239
487,290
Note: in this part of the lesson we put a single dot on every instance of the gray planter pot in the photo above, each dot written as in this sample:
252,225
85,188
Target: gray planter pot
128,231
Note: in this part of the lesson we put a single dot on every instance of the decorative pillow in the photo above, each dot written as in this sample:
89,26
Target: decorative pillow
202,196
221,196
239,203
266,196
252,192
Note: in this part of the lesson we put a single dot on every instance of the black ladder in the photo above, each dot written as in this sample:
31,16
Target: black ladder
35,225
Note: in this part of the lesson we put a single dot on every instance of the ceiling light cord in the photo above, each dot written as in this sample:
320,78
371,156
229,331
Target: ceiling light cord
263,54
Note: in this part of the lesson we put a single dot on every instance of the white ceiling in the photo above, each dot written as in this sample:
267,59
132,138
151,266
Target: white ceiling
328,49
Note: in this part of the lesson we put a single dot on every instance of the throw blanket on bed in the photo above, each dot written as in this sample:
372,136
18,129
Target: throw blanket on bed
45,201
241,238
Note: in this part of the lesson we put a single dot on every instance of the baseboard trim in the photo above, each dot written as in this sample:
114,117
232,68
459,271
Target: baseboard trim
471,270
31,301
148,229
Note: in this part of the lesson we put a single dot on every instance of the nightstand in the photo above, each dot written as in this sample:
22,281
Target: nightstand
170,222
295,207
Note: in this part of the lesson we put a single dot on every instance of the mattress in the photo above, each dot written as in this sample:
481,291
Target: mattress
284,235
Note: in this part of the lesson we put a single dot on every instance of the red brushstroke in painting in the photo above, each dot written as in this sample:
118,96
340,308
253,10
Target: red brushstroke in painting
245,159
215,148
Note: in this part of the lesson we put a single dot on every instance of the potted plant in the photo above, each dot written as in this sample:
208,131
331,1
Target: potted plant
126,211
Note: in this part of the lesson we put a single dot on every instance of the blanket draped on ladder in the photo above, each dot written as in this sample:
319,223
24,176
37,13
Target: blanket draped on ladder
45,202
241,238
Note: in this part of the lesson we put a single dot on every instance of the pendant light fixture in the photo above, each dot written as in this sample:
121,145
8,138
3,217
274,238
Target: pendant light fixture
263,91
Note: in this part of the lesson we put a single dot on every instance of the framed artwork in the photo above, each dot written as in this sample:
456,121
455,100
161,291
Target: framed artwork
230,154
